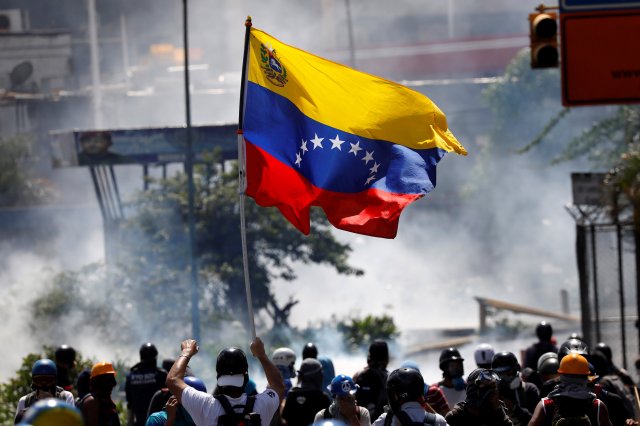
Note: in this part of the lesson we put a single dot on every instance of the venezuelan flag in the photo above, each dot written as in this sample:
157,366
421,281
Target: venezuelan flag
318,133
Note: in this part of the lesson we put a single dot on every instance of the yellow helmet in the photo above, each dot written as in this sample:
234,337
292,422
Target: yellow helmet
101,368
574,364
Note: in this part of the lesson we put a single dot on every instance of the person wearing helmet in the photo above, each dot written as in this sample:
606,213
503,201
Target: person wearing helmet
482,405
572,399
483,355
230,398
53,412
405,393
97,407
624,376
142,382
544,332
605,389
567,347
65,357
372,379
328,372
344,407
520,398
174,414
548,366
452,383
435,401
306,399
309,351
285,359
43,382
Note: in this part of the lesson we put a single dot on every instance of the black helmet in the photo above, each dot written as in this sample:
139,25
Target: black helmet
450,354
148,352
65,354
504,361
605,350
480,383
378,352
403,385
573,346
575,336
231,361
309,351
544,331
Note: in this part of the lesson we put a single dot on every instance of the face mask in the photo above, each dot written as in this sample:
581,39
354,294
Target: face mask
455,370
458,383
515,383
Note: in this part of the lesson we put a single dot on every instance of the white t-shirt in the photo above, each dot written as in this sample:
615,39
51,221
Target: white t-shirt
415,412
66,396
204,409
453,396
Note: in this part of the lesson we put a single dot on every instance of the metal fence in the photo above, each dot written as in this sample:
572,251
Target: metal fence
608,289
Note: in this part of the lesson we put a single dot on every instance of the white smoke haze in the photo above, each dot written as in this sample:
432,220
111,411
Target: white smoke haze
425,279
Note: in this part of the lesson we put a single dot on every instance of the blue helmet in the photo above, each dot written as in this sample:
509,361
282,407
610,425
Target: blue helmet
195,383
44,367
53,412
342,385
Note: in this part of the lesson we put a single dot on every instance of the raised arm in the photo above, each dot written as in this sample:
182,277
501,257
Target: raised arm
175,378
274,378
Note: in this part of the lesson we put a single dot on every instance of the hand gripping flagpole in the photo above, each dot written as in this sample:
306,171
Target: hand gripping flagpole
242,177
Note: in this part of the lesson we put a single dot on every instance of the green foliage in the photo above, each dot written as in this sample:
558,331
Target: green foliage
359,332
20,384
18,185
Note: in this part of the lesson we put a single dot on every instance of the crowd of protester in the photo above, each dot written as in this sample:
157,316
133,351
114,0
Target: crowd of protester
567,385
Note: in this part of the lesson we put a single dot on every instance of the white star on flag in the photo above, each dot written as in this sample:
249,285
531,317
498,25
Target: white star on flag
355,147
372,177
317,142
374,169
336,143
303,147
368,157
298,159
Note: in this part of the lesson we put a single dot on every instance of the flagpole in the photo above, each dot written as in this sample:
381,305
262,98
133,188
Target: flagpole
242,178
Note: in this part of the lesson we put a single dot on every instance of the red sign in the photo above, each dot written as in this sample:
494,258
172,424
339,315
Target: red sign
600,57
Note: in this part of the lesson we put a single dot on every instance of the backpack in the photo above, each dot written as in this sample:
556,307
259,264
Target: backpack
231,418
557,419
371,393
31,398
405,420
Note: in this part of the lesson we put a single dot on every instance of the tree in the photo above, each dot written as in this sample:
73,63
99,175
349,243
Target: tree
149,286
359,332
18,183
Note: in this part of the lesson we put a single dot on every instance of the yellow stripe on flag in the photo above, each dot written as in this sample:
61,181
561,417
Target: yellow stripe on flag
349,100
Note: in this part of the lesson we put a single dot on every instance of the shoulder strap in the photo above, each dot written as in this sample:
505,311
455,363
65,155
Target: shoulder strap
388,418
404,418
225,404
546,402
248,408
430,418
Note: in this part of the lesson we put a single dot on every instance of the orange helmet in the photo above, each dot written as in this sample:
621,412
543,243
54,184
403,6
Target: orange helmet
101,368
574,364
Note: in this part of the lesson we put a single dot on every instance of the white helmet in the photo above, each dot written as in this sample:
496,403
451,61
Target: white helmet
483,355
284,359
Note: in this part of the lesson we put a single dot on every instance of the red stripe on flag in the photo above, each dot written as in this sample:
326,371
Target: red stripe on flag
274,184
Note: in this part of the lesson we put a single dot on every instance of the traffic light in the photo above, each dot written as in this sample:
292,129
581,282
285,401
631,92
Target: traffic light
543,31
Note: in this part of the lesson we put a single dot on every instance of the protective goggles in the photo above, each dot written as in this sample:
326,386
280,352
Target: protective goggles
487,377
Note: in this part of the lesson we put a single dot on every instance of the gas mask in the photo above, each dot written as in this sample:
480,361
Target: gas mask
510,380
